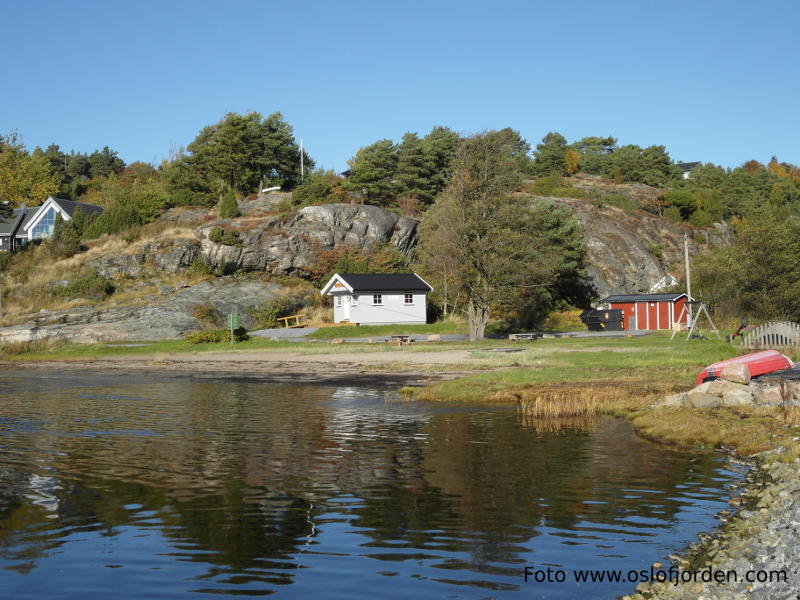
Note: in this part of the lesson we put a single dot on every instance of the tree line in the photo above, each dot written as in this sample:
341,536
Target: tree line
462,187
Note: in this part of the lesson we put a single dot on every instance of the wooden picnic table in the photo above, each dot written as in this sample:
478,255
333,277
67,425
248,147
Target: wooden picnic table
289,318
515,337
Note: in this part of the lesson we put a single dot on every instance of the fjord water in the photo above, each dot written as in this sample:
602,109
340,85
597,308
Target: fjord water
162,487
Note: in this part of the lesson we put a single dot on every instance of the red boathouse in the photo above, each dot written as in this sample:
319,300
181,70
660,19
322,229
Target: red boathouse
649,311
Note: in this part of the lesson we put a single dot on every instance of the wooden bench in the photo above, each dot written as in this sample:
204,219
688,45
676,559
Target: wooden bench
296,318
531,337
401,340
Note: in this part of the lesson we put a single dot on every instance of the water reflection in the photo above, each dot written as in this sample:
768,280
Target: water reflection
173,486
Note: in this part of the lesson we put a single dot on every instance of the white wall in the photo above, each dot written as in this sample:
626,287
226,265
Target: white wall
393,309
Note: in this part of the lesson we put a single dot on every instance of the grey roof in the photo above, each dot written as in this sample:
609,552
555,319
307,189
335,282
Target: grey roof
686,167
644,297
70,206
14,222
388,282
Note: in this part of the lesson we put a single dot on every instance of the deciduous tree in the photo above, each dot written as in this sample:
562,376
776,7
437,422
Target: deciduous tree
491,246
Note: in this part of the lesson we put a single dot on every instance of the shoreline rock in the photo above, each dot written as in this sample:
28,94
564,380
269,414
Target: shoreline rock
759,539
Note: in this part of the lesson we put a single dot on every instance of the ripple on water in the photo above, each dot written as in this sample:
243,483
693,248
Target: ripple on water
169,487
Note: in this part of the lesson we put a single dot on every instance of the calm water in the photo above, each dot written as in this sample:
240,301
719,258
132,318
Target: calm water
136,488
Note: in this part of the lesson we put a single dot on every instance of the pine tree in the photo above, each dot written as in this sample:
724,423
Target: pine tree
228,206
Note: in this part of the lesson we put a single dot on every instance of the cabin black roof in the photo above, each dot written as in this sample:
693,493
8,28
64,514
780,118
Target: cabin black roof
686,167
644,297
388,282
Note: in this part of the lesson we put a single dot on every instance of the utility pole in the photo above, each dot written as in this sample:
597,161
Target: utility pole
689,315
302,166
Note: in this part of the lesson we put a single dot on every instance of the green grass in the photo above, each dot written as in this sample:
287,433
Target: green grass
348,331
557,361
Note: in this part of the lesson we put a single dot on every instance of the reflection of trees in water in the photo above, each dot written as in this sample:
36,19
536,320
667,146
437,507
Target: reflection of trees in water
231,472
230,469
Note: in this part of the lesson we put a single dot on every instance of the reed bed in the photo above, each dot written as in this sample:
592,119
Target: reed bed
557,424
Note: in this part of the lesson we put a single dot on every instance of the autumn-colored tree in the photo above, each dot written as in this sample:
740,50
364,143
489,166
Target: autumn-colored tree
572,161
752,167
24,178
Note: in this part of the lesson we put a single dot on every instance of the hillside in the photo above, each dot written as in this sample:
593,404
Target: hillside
166,274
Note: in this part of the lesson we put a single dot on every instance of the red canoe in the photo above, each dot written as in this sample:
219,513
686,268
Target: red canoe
759,363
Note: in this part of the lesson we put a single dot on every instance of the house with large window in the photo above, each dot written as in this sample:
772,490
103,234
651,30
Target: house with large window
28,224
378,298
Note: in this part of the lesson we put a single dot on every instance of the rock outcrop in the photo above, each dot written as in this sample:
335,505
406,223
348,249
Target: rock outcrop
167,315
283,248
268,243
631,251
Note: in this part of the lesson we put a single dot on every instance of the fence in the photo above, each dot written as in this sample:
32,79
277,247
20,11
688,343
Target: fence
775,334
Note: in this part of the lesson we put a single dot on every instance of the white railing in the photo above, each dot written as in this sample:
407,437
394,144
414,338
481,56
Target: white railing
775,334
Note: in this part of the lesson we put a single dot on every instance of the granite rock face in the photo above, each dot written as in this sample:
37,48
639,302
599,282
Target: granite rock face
629,252
268,243
284,248
165,316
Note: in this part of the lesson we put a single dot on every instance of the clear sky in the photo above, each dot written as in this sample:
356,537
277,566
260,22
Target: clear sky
715,81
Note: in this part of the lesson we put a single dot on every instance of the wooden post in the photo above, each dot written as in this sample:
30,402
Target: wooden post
688,278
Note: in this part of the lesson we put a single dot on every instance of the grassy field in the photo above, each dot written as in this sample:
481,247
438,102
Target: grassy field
576,378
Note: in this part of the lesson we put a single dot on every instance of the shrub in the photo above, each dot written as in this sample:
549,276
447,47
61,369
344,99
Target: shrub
216,336
227,238
93,286
66,239
208,315
203,266
673,213
5,261
267,313
556,186
228,206
617,200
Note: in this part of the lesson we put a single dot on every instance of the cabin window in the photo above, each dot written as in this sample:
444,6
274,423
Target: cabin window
338,300
377,299
44,228
408,299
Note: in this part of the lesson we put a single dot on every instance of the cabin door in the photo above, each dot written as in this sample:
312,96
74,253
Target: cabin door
346,308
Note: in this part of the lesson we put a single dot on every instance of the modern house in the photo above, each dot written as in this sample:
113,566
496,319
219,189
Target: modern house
649,311
377,298
667,281
28,224
686,168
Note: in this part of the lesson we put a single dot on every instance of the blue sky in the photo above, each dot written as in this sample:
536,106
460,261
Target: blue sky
712,81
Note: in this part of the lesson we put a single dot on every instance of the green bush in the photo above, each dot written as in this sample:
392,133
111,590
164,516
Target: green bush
673,213
93,286
5,261
227,238
228,206
267,313
216,336
618,200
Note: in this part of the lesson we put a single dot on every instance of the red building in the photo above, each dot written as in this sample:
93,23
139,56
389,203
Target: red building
649,311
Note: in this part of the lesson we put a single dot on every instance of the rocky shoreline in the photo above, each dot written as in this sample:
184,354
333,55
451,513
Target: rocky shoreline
754,554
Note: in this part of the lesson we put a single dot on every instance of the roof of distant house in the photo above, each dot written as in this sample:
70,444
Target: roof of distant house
70,206
383,282
7,223
686,167
644,297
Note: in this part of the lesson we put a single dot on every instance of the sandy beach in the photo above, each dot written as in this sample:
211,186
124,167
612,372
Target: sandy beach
386,367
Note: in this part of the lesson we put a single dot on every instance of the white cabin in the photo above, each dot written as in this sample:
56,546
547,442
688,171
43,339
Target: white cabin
378,298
